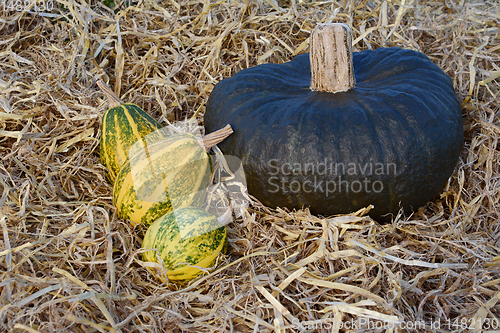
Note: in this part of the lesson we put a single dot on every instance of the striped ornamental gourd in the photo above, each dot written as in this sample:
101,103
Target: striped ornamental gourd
186,239
171,173
123,125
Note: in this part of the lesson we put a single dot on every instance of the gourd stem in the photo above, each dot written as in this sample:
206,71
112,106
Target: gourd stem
113,99
331,58
210,140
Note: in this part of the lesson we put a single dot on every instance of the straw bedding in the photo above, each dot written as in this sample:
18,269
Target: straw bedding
68,263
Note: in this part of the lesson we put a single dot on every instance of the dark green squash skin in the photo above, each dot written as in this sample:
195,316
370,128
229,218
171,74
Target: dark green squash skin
402,118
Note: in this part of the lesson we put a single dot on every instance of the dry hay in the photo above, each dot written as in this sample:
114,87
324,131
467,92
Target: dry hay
69,263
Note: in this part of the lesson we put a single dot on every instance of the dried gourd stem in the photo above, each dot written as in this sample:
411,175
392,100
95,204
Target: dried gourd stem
210,140
113,99
331,58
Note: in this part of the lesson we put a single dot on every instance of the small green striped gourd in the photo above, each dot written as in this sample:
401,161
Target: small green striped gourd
123,125
183,239
167,174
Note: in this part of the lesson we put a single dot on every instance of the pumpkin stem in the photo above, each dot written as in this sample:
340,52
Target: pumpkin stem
331,58
210,140
113,99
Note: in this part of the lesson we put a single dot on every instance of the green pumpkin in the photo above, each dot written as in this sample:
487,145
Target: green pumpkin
392,141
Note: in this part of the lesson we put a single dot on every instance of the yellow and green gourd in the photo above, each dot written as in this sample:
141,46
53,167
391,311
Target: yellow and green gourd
185,239
170,173
167,174
123,125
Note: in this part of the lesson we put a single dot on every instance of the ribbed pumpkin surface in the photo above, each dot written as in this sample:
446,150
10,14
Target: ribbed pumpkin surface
171,173
122,126
184,238
392,141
